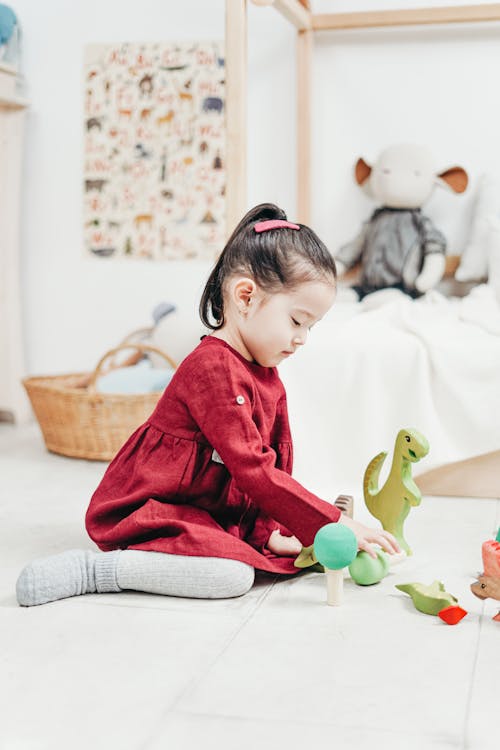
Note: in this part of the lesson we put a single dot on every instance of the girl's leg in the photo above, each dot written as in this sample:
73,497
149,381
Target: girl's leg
83,572
180,575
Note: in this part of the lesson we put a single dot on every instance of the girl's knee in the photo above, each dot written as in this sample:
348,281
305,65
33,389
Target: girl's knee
235,579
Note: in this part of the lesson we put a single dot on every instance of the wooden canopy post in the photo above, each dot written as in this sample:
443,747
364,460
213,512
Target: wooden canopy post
299,14
236,112
407,17
304,83
295,11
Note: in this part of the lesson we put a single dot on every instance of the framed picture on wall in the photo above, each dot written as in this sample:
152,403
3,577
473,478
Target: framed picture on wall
154,150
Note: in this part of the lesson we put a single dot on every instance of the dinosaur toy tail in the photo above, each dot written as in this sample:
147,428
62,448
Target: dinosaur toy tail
370,479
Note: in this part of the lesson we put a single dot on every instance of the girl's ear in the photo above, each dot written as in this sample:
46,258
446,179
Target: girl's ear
243,289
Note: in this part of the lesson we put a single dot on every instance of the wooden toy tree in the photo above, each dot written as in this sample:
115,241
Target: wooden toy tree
335,547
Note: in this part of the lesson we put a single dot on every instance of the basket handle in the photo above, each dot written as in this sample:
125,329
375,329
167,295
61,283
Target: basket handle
134,337
141,348
138,334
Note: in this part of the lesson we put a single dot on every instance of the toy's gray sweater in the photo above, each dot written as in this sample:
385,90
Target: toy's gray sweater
392,245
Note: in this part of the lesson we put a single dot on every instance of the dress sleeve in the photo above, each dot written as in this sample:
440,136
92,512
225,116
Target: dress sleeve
262,530
221,401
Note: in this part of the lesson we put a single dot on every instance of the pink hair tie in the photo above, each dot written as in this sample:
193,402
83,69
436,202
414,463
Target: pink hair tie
264,226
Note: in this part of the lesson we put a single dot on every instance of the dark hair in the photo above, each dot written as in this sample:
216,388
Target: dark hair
274,259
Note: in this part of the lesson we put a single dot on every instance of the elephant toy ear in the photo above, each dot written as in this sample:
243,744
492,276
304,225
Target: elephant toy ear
362,171
454,179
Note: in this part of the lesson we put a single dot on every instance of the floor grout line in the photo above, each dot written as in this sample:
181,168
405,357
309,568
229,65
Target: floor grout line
199,677
219,642
305,722
468,704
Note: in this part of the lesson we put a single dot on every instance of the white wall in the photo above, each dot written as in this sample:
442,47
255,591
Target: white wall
432,85
436,86
76,306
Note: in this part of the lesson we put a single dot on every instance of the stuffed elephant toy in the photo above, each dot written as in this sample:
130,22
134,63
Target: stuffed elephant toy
399,247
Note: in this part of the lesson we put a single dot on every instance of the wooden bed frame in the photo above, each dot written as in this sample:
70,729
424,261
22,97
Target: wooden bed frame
475,477
307,24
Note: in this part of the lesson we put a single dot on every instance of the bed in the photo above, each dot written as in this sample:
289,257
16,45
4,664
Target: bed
372,368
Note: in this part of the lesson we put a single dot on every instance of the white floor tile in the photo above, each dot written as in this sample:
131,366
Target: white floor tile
192,731
485,691
375,660
79,676
374,663
275,668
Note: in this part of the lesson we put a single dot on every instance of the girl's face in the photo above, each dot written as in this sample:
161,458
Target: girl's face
271,327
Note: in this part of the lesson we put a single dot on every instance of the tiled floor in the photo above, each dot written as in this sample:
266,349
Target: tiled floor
276,668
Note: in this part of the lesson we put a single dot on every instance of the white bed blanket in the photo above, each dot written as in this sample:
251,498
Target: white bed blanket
432,364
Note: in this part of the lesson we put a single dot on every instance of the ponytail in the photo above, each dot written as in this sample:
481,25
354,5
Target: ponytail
274,259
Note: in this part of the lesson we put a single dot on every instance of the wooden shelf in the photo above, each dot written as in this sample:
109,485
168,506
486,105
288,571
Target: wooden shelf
13,102
9,99
10,69
13,403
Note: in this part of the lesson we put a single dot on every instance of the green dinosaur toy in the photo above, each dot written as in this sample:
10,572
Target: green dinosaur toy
307,559
391,504
428,599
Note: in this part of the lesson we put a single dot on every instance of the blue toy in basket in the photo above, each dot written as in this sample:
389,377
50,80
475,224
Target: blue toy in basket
8,23
335,547
139,378
9,36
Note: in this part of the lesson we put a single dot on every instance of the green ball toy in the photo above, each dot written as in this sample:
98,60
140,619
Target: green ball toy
335,546
367,571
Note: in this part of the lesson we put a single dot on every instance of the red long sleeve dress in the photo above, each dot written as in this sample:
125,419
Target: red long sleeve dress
209,473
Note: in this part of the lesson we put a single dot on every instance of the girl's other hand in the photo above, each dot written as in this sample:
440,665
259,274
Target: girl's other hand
285,546
367,536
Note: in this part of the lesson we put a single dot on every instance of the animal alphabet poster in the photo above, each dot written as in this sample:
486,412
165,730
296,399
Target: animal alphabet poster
154,150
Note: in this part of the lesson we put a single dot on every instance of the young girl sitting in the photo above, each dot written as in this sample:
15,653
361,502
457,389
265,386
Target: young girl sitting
201,494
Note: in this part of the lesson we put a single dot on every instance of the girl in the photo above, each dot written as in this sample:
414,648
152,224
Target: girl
201,494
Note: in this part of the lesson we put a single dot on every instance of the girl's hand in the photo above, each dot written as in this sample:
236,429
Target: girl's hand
367,536
285,546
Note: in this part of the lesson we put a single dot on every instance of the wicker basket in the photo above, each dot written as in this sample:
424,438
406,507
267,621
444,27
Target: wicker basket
78,421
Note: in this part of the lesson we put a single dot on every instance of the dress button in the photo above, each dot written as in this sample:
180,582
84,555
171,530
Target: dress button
240,399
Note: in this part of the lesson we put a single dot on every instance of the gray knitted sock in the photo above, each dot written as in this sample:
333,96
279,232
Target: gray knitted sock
183,575
67,574
83,572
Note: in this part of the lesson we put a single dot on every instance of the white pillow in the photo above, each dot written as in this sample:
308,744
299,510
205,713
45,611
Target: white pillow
474,261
